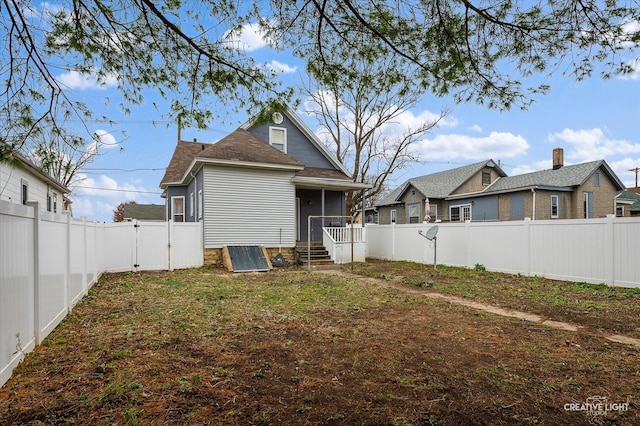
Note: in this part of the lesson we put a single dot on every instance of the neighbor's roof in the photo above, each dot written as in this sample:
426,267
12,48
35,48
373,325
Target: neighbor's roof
144,211
564,177
24,162
240,146
441,184
631,198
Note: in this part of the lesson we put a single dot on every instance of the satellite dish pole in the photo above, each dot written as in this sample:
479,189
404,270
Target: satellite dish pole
431,236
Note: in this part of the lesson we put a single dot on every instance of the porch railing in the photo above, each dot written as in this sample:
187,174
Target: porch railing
345,244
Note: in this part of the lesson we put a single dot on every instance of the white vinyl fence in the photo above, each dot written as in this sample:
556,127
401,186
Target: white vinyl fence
49,261
587,250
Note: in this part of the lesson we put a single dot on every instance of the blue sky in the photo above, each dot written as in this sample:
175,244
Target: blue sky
592,119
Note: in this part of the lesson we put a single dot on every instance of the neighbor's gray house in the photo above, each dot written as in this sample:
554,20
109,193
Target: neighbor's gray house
483,192
257,186
22,181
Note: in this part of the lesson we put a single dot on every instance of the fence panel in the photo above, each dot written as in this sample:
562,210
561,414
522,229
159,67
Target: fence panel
51,287
626,249
187,245
152,246
119,246
16,286
591,250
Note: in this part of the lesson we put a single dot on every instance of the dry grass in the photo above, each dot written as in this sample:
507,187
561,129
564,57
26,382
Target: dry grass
292,347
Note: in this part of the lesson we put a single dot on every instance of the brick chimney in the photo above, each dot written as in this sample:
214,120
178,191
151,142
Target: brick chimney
558,158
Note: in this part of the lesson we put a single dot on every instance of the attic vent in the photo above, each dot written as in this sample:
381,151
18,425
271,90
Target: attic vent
203,147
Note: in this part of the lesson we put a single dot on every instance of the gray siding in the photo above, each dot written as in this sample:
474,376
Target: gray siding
248,206
298,146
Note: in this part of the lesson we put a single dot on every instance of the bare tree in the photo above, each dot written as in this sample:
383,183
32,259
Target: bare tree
359,117
118,213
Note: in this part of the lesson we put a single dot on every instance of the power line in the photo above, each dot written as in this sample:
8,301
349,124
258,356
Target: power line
119,190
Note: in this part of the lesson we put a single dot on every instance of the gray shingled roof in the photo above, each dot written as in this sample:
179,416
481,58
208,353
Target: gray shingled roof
438,185
632,197
144,211
564,177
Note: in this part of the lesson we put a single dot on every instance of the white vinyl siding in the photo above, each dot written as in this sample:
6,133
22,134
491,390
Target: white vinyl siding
248,206
11,179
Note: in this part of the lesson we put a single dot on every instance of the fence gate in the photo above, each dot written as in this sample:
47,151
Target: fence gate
151,251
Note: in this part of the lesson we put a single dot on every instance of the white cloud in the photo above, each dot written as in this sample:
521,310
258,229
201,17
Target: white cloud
497,145
105,139
249,37
281,68
589,145
475,128
76,80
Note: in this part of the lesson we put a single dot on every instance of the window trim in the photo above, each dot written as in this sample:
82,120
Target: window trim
200,204
462,208
284,136
173,208
409,208
191,204
393,216
557,206
24,191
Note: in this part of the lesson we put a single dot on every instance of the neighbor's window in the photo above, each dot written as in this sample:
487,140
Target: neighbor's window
55,203
177,209
191,205
620,211
414,213
596,179
486,177
278,138
555,203
25,191
49,200
393,216
588,205
454,214
200,203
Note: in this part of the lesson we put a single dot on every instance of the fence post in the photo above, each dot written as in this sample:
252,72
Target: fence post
36,270
526,244
68,261
609,251
85,288
393,241
170,234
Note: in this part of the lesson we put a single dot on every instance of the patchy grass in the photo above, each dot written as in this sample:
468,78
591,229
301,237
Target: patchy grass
612,310
292,347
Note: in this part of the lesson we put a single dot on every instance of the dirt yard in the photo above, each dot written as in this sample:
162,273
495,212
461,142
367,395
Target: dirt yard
297,348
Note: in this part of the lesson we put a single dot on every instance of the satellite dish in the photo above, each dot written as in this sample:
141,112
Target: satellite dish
431,233
277,117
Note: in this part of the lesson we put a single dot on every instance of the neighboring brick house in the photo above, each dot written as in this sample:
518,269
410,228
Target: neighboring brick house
257,186
628,203
585,190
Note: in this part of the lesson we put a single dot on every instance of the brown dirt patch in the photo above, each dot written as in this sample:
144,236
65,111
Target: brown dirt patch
291,347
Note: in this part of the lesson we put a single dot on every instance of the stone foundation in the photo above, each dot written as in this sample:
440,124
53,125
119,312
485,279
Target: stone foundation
213,256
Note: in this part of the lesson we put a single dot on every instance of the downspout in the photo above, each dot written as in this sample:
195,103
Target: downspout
533,214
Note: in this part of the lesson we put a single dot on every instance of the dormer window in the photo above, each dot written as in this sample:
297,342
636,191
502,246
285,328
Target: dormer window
278,138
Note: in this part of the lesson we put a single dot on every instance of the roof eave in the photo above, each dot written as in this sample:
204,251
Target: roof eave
317,183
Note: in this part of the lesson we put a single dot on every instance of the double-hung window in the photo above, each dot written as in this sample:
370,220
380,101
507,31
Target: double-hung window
555,207
414,213
278,138
177,209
